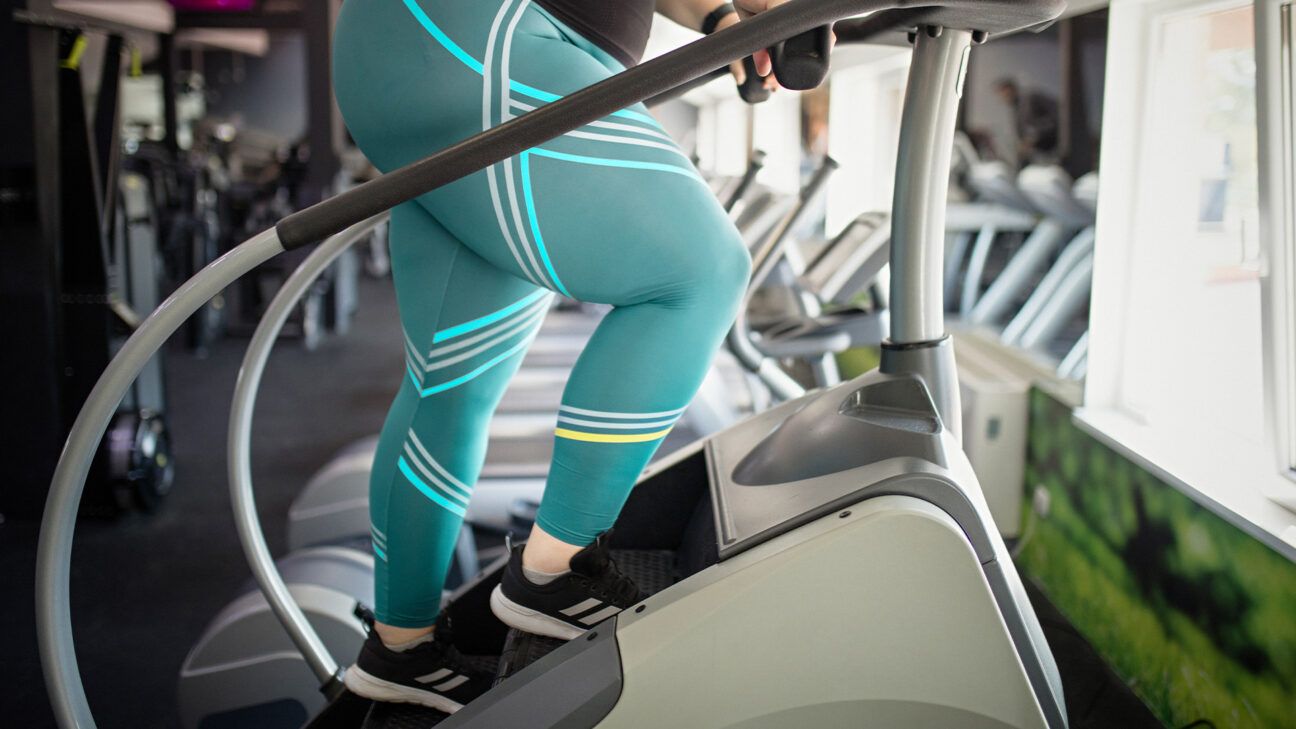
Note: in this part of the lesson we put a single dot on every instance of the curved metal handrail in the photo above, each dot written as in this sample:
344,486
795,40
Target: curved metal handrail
54,554
239,460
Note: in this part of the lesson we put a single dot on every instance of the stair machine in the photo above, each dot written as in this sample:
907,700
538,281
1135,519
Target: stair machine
1063,292
1076,362
803,563
974,227
1047,188
821,314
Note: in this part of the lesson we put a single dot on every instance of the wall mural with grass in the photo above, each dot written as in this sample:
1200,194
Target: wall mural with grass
1197,616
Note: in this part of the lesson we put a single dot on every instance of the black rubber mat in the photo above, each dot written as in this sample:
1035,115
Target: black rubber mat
521,650
653,570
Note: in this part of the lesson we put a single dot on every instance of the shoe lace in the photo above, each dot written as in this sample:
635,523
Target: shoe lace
613,585
450,655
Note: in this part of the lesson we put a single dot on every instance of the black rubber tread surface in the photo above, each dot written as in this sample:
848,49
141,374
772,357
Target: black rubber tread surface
653,570
523,649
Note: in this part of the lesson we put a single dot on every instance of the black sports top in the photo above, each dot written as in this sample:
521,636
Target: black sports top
619,27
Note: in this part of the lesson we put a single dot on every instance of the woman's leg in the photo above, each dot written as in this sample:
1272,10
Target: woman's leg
613,212
466,325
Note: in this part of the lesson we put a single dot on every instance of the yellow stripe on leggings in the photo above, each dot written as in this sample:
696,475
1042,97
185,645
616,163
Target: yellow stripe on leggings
610,437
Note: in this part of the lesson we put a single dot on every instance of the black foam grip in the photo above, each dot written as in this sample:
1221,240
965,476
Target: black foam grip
752,89
801,62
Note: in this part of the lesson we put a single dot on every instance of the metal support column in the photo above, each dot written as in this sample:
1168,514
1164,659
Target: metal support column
922,184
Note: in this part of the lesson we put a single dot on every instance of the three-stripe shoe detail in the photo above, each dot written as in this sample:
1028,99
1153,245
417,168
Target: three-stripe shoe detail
591,611
570,604
431,478
463,352
443,680
601,426
432,673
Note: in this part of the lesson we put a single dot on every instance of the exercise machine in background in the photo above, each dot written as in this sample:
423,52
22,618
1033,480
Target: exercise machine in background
81,271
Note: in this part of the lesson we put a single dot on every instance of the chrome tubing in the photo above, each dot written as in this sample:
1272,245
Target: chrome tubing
54,552
922,183
239,459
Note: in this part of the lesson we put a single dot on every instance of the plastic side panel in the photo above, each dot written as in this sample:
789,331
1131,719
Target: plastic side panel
883,618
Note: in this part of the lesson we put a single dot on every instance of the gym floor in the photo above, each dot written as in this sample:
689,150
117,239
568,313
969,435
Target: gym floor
144,587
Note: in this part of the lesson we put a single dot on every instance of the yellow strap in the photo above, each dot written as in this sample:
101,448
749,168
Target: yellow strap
73,60
610,437
137,63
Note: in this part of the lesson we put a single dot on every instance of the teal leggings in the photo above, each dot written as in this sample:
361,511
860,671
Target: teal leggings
611,213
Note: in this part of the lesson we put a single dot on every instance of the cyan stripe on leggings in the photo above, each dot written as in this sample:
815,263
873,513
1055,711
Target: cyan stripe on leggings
381,554
514,327
532,271
436,466
429,477
487,320
609,414
472,63
630,164
604,124
469,376
538,308
616,426
427,491
525,159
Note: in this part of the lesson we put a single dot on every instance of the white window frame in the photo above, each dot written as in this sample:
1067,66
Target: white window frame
1276,115
1245,483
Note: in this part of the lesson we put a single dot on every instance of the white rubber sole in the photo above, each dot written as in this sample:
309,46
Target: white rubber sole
528,620
361,683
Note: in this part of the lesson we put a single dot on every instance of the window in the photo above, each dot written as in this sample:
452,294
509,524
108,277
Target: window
1193,339
1191,344
723,129
776,130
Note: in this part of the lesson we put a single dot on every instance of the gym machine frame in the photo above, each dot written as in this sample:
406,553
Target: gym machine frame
919,351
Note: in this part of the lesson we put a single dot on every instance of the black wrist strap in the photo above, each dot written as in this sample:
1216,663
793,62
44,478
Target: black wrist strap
714,17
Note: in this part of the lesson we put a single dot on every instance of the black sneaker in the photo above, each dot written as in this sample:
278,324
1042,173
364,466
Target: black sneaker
433,674
592,592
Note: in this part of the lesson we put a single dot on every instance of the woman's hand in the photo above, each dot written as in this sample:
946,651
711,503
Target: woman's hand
746,9
764,67
736,68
